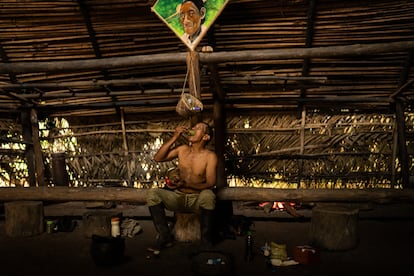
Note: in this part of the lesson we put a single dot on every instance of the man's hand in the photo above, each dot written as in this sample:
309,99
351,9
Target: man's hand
180,130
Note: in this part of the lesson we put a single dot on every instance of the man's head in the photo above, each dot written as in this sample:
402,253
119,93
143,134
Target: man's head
208,130
192,15
202,131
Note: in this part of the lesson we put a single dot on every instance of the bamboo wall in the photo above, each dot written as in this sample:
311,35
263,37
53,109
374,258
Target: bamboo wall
321,150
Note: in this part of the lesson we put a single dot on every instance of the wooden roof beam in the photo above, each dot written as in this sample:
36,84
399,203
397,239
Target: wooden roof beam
216,57
308,44
92,35
5,59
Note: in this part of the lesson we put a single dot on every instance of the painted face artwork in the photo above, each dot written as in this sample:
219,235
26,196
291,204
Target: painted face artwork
191,18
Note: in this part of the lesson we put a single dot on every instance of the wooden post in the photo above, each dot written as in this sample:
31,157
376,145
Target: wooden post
402,145
219,126
302,145
224,208
39,165
23,218
125,147
193,67
334,228
393,168
30,156
59,173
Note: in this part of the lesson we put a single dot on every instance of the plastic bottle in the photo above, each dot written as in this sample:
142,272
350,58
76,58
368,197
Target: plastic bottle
49,226
249,254
115,228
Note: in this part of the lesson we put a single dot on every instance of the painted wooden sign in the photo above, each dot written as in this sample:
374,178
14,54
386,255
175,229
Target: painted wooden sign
189,19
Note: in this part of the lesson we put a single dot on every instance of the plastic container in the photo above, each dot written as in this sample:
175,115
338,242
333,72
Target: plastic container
115,228
50,225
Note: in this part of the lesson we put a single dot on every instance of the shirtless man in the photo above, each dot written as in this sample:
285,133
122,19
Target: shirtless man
198,169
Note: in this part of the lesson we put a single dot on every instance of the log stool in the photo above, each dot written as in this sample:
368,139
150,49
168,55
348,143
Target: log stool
98,223
23,218
187,227
334,227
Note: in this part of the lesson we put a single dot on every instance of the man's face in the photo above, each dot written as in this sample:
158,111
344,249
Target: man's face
199,133
191,17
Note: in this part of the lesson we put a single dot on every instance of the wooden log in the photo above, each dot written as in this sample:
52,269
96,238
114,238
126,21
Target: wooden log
334,228
247,55
98,223
187,227
170,81
317,195
23,218
65,194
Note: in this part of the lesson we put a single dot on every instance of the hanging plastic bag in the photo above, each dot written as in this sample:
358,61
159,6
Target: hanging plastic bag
188,104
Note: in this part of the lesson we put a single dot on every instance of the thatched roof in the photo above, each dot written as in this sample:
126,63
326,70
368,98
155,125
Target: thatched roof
87,58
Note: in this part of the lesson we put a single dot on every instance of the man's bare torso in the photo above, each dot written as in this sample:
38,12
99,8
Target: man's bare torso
192,167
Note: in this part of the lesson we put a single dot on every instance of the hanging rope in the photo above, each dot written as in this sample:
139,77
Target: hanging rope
189,104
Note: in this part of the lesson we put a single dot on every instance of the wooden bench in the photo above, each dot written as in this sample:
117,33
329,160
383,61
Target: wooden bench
131,195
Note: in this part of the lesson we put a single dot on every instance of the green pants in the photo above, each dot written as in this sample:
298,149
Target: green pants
178,201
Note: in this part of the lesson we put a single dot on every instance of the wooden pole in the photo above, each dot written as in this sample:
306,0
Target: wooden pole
124,139
302,144
174,58
38,154
176,81
393,168
219,125
30,155
193,66
65,194
402,145
125,146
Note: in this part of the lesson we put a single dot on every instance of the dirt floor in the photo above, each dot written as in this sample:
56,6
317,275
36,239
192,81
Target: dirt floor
385,243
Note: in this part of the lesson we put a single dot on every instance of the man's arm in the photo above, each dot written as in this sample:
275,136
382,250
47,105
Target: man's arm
165,153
